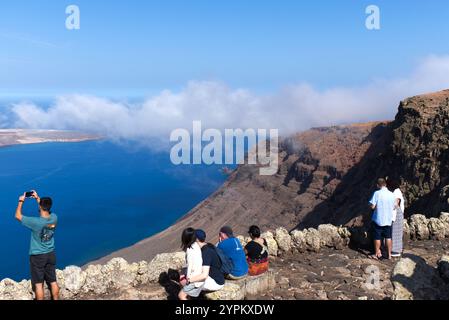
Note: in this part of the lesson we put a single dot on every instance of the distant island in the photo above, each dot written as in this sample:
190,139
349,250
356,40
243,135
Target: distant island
9,137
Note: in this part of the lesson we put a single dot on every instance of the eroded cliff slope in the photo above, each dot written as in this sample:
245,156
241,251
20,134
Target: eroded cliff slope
327,175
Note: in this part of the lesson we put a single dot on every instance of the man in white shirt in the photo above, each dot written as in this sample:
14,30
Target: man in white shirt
383,203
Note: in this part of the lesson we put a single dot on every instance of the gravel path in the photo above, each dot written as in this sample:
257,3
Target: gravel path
342,275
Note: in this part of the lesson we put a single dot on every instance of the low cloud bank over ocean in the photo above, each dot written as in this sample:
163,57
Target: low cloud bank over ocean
293,108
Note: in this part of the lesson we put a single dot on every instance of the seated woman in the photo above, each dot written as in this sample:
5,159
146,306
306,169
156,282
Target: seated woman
209,278
256,253
194,261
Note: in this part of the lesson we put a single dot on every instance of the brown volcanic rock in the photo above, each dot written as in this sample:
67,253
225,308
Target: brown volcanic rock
420,147
412,149
326,160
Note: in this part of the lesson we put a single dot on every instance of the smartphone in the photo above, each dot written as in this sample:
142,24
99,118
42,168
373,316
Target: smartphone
29,194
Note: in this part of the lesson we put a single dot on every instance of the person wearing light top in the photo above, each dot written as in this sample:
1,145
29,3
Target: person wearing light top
210,278
398,218
194,262
383,203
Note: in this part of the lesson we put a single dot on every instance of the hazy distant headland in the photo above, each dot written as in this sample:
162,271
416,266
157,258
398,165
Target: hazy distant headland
9,137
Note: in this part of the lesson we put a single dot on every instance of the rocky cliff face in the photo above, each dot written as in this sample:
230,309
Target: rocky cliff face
327,175
419,151
412,149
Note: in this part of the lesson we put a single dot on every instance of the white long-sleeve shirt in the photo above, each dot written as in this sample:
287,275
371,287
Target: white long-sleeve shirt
194,260
398,195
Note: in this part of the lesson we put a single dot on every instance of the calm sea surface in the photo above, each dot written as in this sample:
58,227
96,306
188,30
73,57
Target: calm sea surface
106,197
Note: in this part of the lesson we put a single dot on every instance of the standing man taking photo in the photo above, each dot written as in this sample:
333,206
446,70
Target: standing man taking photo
42,245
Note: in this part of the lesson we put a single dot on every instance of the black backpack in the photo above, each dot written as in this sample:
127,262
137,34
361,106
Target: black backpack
226,264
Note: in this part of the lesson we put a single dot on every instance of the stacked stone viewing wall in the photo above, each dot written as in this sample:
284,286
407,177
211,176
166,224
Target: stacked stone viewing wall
118,274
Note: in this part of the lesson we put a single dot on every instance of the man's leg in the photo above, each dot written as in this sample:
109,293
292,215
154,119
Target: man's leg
383,246
389,247
37,270
39,291
54,288
377,240
50,275
377,250
388,240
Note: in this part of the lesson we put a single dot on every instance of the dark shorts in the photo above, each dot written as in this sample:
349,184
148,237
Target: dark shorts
380,233
43,268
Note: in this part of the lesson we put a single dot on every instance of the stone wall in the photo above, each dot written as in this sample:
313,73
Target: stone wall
99,280
118,274
240,289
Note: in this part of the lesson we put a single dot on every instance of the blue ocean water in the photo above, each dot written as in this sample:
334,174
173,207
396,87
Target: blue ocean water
106,196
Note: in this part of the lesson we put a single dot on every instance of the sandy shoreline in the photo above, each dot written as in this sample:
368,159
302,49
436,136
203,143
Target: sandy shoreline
11,137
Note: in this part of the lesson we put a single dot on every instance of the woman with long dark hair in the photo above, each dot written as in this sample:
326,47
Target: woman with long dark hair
194,262
398,218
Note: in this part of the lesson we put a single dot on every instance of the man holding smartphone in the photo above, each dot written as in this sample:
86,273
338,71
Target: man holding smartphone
42,245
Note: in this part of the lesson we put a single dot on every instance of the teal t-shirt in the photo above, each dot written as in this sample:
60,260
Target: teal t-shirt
42,233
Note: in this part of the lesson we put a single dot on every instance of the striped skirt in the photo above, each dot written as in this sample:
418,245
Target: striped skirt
398,232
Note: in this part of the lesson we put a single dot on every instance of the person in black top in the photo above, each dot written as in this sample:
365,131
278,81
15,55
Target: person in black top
256,252
212,260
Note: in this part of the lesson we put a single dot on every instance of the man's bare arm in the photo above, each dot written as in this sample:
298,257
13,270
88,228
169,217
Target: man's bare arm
19,215
36,196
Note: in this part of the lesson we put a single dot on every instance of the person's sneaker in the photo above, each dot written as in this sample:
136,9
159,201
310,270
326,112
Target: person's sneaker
396,255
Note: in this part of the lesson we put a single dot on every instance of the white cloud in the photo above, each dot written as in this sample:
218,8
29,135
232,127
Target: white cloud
3,121
294,108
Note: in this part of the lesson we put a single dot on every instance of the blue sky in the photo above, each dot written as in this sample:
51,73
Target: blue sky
135,48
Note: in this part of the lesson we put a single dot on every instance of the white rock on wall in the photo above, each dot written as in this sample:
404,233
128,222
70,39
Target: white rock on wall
272,244
163,262
283,239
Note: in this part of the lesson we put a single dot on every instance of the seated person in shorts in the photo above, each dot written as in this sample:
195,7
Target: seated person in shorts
211,278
